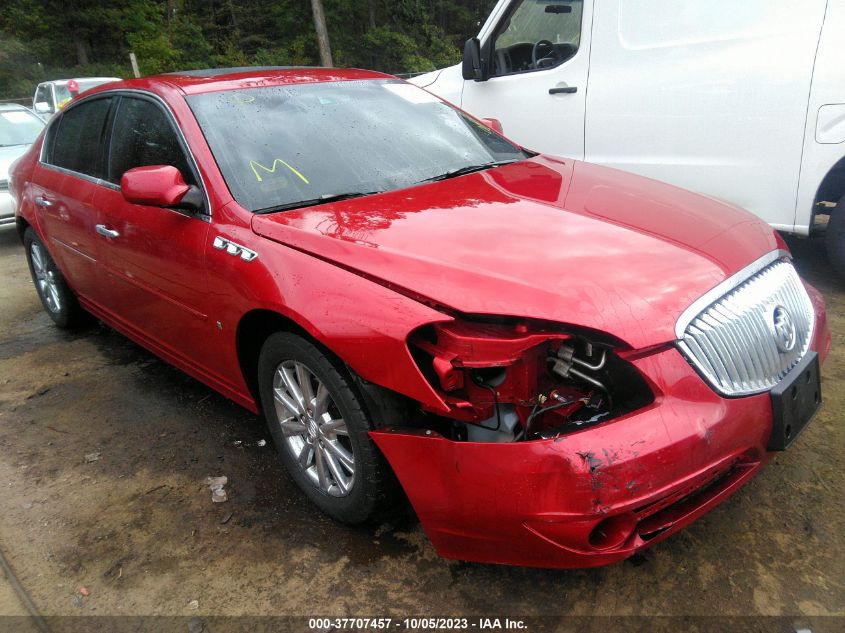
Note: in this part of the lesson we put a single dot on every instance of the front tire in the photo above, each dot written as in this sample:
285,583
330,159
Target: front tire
835,238
56,297
320,429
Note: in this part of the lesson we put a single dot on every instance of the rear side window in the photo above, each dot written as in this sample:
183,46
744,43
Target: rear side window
77,144
143,135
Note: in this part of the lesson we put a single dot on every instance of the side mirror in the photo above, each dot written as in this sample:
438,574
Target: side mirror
473,66
494,124
155,186
42,107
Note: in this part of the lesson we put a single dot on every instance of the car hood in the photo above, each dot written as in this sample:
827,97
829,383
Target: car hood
545,238
9,155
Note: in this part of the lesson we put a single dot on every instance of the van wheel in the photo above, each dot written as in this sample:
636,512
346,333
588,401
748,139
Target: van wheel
835,238
320,429
56,297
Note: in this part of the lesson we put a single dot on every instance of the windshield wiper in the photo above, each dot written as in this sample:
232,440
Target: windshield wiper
469,169
313,202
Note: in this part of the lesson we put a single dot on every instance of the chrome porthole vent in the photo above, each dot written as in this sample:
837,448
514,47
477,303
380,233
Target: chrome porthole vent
748,339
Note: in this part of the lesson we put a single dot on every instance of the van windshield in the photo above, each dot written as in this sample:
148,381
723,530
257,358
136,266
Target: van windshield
283,146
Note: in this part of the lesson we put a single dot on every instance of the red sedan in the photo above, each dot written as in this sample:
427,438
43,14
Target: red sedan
560,363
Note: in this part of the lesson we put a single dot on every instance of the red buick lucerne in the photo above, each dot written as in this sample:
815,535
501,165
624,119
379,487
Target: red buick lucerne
560,363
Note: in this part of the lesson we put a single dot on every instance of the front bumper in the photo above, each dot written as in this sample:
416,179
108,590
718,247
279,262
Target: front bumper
596,496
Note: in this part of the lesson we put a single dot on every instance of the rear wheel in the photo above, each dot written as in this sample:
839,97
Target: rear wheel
320,429
56,297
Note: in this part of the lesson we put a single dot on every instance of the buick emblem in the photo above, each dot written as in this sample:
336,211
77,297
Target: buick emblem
783,328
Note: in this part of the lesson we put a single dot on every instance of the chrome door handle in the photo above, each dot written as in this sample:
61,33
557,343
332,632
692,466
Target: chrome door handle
106,232
41,201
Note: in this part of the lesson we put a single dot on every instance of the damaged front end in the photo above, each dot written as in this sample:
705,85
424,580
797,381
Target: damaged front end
558,447
517,381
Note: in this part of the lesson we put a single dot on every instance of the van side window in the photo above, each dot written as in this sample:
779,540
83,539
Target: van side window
142,135
78,141
537,34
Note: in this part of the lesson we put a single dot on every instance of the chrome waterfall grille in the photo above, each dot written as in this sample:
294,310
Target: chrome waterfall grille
747,341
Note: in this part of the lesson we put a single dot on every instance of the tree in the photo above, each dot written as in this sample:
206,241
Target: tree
52,39
322,33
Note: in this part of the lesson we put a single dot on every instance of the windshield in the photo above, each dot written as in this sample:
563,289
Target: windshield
280,145
19,127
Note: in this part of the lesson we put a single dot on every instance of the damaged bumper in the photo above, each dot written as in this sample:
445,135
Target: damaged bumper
595,496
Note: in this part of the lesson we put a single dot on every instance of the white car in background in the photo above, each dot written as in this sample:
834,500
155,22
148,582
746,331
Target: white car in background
52,96
19,128
742,101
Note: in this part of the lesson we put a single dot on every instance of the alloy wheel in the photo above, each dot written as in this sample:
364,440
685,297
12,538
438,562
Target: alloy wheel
314,429
45,278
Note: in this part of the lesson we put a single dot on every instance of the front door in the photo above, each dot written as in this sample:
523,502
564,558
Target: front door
153,257
540,52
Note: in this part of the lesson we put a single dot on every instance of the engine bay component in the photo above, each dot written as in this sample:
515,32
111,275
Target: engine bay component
520,381
500,428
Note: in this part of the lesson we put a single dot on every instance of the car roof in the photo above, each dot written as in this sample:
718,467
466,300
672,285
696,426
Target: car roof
217,79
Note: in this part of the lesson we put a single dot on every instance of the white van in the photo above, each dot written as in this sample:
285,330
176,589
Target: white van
743,101
52,96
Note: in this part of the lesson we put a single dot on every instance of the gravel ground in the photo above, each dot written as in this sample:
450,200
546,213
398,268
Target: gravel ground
136,531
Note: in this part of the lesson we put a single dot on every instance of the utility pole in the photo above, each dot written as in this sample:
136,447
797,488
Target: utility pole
134,62
322,33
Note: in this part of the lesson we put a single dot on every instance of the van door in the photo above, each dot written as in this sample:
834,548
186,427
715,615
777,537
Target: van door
709,95
540,53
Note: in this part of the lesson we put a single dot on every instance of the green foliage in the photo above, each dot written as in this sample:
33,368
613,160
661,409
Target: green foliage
53,39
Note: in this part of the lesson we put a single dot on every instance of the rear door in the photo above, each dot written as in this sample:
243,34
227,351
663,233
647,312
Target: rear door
541,55
66,179
154,258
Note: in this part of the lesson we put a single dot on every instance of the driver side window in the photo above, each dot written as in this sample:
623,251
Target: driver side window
143,136
537,34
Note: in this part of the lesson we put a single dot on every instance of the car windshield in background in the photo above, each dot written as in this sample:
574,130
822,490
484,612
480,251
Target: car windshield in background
19,127
285,146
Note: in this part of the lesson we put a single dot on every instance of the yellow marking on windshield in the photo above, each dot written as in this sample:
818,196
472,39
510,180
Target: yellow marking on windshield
271,170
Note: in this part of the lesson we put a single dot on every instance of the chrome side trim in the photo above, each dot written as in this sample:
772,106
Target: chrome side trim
233,249
716,293
74,250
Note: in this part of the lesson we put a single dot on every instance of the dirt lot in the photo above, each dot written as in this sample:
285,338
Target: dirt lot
138,530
